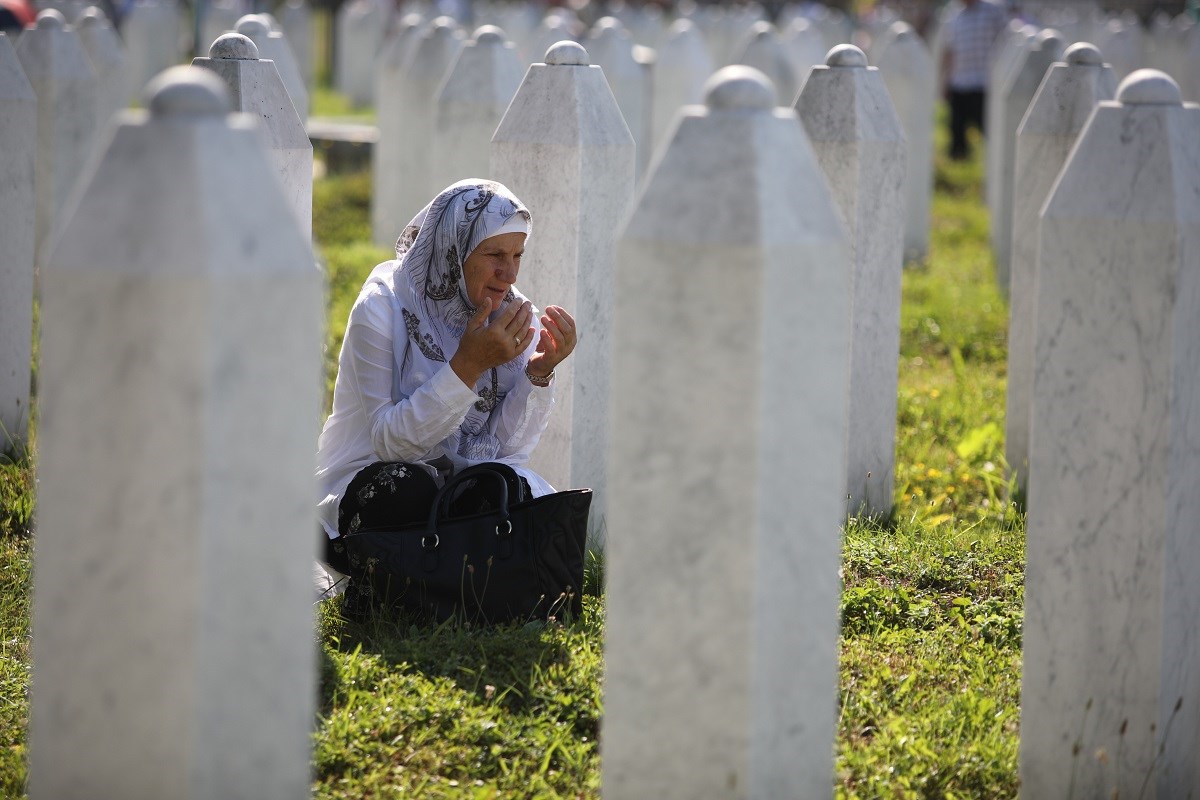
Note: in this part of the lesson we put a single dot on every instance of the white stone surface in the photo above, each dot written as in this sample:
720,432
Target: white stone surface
1190,64
295,19
859,145
1010,48
763,50
401,162
173,645
552,30
1017,93
469,104
360,27
911,78
18,153
805,47
610,47
65,84
1111,646
107,54
1121,44
220,17
1063,103
683,66
564,149
255,88
724,544
273,46
153,32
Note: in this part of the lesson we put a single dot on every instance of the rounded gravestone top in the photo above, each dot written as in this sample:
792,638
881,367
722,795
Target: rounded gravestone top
901,29
187,91
1149,87
846,55
490,35
679,26
93,17
1084,54
739,86
252,25
1048,39
567,54
269,18
444,22
762,29
50,20
233,47
608,24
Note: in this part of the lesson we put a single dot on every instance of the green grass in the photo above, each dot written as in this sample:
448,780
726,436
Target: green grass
931,609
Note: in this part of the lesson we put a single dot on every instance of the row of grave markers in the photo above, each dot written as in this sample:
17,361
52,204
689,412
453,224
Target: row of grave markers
130,336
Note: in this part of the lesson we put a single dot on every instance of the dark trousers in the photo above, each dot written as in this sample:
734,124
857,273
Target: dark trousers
966,109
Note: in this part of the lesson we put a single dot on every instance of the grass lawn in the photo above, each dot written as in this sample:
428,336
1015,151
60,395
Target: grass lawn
931,609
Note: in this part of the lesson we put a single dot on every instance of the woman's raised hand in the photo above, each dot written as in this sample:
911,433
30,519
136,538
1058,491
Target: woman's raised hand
485,345
557,341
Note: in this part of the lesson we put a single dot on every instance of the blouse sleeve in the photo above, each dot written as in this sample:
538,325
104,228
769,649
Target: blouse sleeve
409,429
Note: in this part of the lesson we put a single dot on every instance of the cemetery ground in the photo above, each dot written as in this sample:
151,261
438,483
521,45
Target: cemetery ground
931,609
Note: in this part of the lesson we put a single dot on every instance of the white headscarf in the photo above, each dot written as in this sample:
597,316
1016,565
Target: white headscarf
429,292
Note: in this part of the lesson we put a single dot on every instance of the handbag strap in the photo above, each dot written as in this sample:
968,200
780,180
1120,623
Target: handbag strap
480,471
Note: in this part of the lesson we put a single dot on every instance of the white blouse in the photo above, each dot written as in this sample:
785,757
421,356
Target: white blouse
366,426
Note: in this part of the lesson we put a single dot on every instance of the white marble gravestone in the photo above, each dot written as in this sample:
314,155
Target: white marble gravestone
295,20
805,47
763,50
1008,49
1111,644
553,29
173,649
724,541
255,87
360,27
1121,43
272,46
401,161
18,153
564,149
858,142
911,78
65,83
1064,102
107,55
610,47
153,34
469,104
219,17
683,66
1018,91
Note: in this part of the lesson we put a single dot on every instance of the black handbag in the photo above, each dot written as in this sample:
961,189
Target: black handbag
512,562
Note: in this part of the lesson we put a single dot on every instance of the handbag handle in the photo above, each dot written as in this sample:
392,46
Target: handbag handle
442,501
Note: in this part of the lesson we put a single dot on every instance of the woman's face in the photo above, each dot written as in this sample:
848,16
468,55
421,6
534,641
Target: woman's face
491,269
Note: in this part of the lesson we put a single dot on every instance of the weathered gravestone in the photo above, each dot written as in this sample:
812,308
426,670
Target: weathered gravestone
18,153
65,84
255,87
610,47
683,66
272,46
173,649
763,50
1064,102
469,104
563,148
1018,91
724,544
910,76
1111,678
859,145
107,55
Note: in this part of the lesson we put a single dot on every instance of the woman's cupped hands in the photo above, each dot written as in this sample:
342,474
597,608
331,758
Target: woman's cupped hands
489,344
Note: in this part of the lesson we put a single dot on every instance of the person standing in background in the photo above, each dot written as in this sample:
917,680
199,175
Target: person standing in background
970,37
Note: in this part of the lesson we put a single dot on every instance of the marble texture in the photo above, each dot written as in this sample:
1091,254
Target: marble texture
295,20
359,27
564,149
1063,103
18,154
401,163
1111,646
273,46
469,105
65,83
180,380
911,78
763,50
683,66
724,545
153,34
610,47
107,54
860,147
1017,93
255,88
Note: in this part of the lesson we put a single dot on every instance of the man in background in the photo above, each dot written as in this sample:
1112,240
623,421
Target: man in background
966,58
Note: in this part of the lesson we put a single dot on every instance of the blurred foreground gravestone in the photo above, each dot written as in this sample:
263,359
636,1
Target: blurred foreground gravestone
1111,678
173,646
153,34
564,149
1068,95
683,66
856,136
728,410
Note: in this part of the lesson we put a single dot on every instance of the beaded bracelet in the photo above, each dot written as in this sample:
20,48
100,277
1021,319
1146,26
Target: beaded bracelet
539,381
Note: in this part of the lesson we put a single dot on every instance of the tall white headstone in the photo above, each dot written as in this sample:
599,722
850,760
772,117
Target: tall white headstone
272,46
18,153
180,368
683,66
858,142
565,150
255,88
295,19
219,17
726,504
911,78
107,55
469,105
1121,43
1111,645
65,83
360,27
805,47
1064,102
1007,50
153,32
553,29
763,50
610,47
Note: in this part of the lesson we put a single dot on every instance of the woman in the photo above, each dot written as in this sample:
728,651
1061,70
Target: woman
444,365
